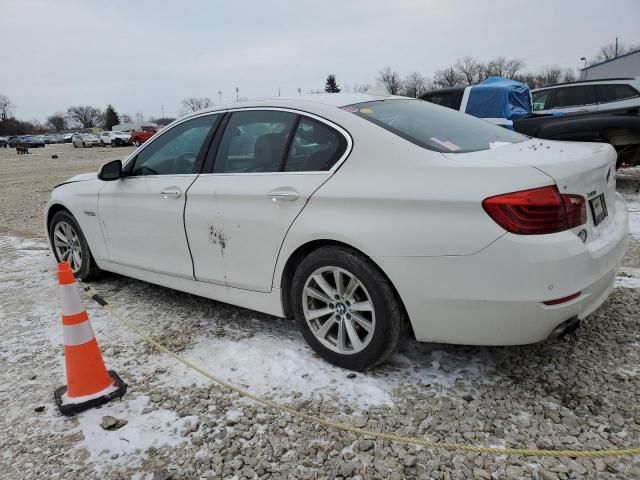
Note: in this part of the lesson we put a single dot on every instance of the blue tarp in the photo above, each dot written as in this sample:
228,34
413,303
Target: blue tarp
499,97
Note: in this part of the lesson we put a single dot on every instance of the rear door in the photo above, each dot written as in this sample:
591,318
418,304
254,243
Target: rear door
611,96
142,214
581,98
267,164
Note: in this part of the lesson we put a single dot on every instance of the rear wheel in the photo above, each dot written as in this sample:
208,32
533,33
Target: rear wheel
69,245
346,309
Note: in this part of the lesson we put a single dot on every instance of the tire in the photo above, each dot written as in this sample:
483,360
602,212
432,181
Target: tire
87,268
385,320
136,143
102,144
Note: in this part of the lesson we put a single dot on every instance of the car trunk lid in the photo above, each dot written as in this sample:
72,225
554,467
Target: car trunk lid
586,169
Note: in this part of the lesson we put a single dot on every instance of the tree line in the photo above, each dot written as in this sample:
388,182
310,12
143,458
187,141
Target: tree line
471,71
77,117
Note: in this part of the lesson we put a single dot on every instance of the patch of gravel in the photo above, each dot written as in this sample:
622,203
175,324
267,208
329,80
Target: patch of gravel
27,180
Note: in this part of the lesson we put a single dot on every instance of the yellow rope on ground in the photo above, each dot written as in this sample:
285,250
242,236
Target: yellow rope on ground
363,432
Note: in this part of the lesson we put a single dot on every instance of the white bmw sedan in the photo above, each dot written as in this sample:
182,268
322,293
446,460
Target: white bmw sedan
361,216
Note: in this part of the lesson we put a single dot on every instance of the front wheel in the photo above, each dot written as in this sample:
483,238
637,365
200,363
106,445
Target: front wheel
69,245
346,309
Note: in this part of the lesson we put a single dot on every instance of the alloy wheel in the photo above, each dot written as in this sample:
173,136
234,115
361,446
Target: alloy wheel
67,245
338,310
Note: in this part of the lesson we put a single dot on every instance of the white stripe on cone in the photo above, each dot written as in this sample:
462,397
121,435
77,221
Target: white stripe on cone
70,300
77,334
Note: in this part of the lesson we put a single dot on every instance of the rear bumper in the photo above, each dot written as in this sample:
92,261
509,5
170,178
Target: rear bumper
495,297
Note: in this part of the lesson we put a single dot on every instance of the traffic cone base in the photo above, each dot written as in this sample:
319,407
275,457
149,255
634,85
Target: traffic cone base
89,383
70,405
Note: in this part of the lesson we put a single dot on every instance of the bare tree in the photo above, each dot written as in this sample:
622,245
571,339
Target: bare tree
84,115
390,80
501,67
6,107
471,69
569,75
193,104
447,78
548,75
611,51
415,85
139,117
56,122
357,88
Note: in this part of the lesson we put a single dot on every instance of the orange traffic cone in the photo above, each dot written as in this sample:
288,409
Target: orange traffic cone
88,382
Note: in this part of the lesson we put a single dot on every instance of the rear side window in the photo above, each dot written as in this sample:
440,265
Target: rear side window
574,96
315,147
254,141
432,127
613,93
444,99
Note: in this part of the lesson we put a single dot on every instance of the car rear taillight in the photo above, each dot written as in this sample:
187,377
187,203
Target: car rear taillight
536,211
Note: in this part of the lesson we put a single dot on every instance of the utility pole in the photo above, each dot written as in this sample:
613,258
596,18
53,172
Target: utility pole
163,111
616,55
237,94
278,91
299,90
220,96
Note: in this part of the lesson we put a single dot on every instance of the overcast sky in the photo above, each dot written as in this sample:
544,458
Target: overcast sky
140,55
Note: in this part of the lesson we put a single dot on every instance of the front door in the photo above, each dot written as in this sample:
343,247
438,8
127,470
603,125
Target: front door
268,163
142,214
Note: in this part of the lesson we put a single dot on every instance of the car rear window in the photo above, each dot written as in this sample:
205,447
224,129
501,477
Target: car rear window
433,127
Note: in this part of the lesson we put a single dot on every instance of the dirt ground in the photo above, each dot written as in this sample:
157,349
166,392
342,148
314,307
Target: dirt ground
579,392
26,181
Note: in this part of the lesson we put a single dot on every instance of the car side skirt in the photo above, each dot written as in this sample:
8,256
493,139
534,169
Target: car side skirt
269,303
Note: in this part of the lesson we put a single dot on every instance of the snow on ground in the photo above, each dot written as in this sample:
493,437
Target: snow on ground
144,430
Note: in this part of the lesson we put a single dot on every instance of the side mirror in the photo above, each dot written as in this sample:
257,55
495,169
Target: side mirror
110,171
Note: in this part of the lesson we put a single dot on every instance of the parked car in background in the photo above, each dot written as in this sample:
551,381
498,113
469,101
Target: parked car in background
4,142
115,139
587,96
67,137
508,103
33,141
506,240
13,140
138,137
85,140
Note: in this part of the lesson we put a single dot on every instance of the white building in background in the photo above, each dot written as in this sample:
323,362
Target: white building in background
623,66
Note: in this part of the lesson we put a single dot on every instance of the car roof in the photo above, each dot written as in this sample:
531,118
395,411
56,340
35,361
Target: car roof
299,101
603,81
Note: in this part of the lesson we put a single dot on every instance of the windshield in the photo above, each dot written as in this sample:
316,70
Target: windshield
433,127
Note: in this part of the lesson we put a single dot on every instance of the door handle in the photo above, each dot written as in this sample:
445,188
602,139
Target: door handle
171,193
283,195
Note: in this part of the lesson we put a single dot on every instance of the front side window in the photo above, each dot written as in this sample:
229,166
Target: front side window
432,127
574,96
176,151
254,141
614,93
540,99
315,147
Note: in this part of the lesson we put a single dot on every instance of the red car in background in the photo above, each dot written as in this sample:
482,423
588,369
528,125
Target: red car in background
140,136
